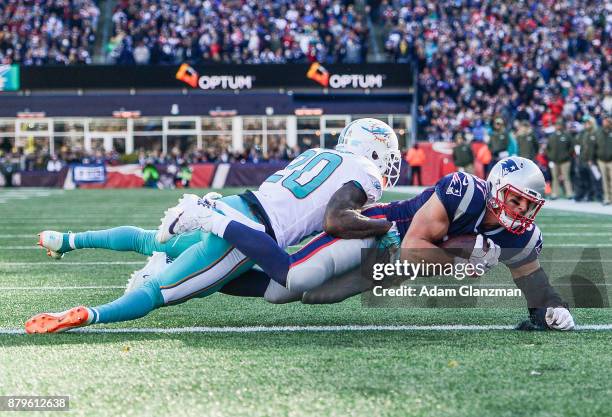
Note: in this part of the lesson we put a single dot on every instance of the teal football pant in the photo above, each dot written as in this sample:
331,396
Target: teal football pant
202,269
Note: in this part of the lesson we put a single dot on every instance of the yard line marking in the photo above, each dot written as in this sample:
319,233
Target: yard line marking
547,234
24,194
71,263
85,287
571,226
573,245
294,329
32,247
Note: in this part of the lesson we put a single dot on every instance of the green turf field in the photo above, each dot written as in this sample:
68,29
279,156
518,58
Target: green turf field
338,372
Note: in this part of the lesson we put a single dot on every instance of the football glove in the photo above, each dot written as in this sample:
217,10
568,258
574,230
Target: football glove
559,318
209,198
391,239
544,319
487,258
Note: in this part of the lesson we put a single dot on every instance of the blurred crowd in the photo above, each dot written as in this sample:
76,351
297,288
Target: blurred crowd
63,32
237,31
159,170
575,158
528,60
53,32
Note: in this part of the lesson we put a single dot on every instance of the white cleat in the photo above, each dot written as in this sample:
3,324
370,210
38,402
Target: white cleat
52,241
155,264
190,213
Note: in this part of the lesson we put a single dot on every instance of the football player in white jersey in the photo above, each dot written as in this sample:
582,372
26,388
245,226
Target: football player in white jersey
293,203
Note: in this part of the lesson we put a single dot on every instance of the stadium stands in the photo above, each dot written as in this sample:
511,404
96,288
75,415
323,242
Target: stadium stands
497,72
255,31
527,60
47,32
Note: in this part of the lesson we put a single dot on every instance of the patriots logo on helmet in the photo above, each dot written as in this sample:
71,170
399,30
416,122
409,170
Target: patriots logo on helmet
508,166
377,131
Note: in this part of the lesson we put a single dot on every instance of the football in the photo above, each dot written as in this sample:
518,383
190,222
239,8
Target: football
461,245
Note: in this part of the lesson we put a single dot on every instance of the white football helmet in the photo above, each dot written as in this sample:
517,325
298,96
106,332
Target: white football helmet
376,141
523,178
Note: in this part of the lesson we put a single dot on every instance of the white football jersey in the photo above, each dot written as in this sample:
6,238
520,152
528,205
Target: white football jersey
295,198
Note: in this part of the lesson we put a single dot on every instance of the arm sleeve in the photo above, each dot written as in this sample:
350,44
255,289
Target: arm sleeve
538,292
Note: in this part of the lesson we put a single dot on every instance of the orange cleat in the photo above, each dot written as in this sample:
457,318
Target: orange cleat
58,322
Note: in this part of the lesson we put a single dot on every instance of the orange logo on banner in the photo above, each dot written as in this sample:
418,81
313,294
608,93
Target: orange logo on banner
317,73
187,75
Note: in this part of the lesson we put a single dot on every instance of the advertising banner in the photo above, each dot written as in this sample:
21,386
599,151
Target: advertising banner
336,77
9,77
95,173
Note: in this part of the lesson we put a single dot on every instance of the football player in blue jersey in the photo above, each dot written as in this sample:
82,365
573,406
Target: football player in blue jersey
500,210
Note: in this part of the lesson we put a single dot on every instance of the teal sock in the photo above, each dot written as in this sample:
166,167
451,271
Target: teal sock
133,305
124,238
65,243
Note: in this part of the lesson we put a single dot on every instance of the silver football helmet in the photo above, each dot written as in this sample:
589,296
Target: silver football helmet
523,178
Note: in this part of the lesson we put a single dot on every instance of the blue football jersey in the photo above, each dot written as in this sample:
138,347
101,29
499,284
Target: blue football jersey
464,198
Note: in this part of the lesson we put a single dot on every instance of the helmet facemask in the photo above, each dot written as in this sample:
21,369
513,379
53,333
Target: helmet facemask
393,160
514,222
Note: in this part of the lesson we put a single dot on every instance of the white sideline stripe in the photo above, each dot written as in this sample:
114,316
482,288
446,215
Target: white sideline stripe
70,263
85,287
293,329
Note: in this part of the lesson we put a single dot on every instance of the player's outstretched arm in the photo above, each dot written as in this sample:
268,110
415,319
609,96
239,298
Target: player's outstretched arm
344,220
541,296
